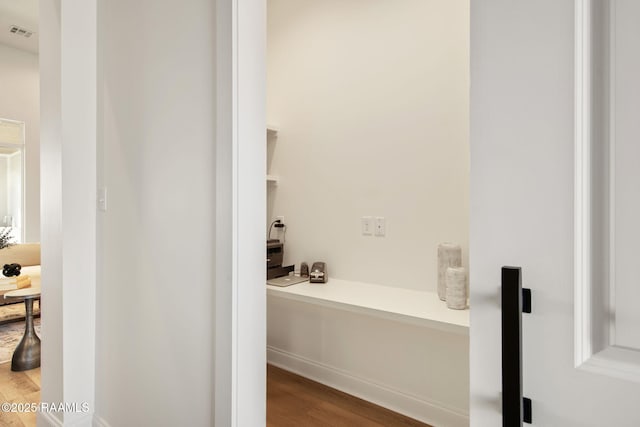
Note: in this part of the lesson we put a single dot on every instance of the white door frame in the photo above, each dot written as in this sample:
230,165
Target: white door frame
240,336
68,63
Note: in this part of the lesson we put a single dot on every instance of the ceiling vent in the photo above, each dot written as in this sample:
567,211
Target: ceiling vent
19,31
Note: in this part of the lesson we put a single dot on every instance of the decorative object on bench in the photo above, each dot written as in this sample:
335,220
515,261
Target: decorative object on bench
27,355
318,273
10,270
304,270
449,255
456,278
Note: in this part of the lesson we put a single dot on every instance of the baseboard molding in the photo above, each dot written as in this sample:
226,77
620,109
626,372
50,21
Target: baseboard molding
86,420
48,419
429,412
98,421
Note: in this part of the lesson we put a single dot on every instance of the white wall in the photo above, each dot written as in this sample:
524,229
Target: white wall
51,384
20,100
371,98
156,240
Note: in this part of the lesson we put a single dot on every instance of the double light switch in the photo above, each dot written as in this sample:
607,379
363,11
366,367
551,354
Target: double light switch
373,226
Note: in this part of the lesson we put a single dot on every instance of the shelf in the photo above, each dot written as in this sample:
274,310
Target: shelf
272,131
399,304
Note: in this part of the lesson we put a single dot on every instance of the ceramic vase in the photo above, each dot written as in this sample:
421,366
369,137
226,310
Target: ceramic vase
456,278
449,255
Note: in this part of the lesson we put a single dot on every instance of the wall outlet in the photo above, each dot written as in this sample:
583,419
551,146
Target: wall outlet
281,218
367,225
381,226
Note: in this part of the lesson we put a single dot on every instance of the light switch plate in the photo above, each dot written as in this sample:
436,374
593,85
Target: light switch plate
380,225
102,199
367,226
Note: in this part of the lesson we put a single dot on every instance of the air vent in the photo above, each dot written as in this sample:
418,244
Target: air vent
19,31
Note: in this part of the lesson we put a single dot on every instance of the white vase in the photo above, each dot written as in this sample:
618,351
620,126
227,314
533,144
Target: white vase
456,278
449,255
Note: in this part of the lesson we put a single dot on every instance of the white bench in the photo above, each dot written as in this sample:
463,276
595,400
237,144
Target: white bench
400,304
400,348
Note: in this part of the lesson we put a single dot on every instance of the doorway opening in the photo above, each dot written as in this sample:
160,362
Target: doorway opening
368,172
19,207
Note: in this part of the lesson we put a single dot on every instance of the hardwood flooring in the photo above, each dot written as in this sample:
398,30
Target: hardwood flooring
18,387
294,401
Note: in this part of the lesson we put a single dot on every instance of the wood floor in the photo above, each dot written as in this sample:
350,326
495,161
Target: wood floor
18,387
294,401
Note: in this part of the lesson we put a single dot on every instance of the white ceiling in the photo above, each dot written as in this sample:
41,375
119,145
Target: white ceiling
23,13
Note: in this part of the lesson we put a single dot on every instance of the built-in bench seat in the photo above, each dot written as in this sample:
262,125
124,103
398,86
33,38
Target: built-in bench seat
399,348
404,305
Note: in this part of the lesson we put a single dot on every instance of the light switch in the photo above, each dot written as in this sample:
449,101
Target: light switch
380,225
367,226
102,199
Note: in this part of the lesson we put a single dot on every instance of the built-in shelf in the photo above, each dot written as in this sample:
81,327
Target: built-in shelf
272,131
399,304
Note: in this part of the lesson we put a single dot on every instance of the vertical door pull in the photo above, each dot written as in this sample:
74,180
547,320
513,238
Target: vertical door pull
516,409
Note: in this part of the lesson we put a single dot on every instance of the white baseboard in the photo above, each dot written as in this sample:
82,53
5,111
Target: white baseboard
429,412
48,419
86,420
98,421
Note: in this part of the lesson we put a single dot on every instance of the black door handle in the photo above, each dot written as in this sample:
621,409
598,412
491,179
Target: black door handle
515,300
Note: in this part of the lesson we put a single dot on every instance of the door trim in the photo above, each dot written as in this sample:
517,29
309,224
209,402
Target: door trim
68,84
582,202
594,326
240,291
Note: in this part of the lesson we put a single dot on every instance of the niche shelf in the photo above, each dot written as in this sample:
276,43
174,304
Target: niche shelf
272,130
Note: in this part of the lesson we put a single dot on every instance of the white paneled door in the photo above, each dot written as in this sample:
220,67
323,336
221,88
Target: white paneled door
555,190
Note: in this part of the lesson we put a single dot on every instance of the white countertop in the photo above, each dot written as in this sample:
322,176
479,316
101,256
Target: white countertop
417,307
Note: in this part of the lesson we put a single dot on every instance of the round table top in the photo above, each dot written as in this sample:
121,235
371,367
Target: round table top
23,293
